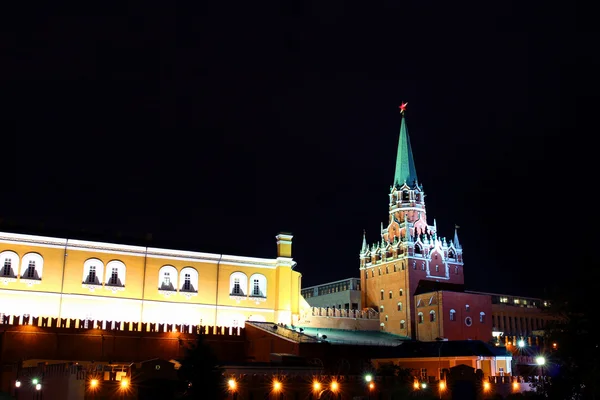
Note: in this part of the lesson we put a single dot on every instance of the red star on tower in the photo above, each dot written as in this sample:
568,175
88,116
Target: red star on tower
403,107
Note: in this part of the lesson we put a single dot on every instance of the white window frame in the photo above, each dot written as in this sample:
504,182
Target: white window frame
121,274
193,280
39,266
173,278
452,315
262,286
99,271
243,283
14,264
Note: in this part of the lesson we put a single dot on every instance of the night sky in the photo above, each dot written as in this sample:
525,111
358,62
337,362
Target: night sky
215,128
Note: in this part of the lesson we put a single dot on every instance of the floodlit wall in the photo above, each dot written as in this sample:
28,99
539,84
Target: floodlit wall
66,278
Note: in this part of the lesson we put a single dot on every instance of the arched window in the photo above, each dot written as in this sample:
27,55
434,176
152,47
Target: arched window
399,306
395,269
402,267
372,273
418,249
115,273
437,268
32,265
401,292
391,295
452,315
431,316
238,284
456,270
405,195
387,270
93,272
381,294
386,318
380,271
467,307
420,317
482,317
451,254
9,262
259,285
167,278
188,280
402,324
380,309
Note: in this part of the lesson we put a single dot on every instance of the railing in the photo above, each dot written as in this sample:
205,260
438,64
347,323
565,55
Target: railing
283,331
343,313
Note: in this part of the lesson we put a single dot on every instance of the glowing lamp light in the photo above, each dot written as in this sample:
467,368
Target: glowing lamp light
18,384
540,360
521,343
94,383
124,383
35,381
424,385
515,385
442,386
371,386
276,386
486,386
554,345
38,386
416,385
334,386
232,384
316,386
368,377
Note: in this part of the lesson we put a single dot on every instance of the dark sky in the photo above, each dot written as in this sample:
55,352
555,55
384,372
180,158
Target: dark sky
215,128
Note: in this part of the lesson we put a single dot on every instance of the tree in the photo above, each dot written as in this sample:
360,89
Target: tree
573,361
200,373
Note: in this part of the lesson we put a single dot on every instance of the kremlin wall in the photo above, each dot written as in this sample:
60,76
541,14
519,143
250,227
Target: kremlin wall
68,300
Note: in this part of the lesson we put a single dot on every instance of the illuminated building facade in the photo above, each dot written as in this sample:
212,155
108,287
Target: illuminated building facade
410,251
67,278
344,294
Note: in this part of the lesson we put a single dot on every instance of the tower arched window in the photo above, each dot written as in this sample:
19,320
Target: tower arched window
380,309
401,292
405,195
238,284
381,294
167,278
387,270
420,317
431,316
418,249
386,318
372,273
452,254
467,307
437,268
93,272
379,271
115,273
402,324
452,315
482,317
259,285
188,280
391,294
32,265
399,306
402,267
10,264
395,269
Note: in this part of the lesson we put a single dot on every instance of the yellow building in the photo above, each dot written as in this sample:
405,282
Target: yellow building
67,278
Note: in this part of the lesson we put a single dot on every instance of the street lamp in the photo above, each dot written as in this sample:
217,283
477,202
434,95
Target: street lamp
232,384
368,377
540,360
334,386
276,386
521,343
316,386
35,381
38,386
18,384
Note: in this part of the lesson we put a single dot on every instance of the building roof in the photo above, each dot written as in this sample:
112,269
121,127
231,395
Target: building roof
358,337
454,348
405,164
425,286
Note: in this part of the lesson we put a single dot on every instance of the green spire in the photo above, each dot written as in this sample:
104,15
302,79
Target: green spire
405,164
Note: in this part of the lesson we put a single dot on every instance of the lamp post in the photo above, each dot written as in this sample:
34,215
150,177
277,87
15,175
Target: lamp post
541,361
370,385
